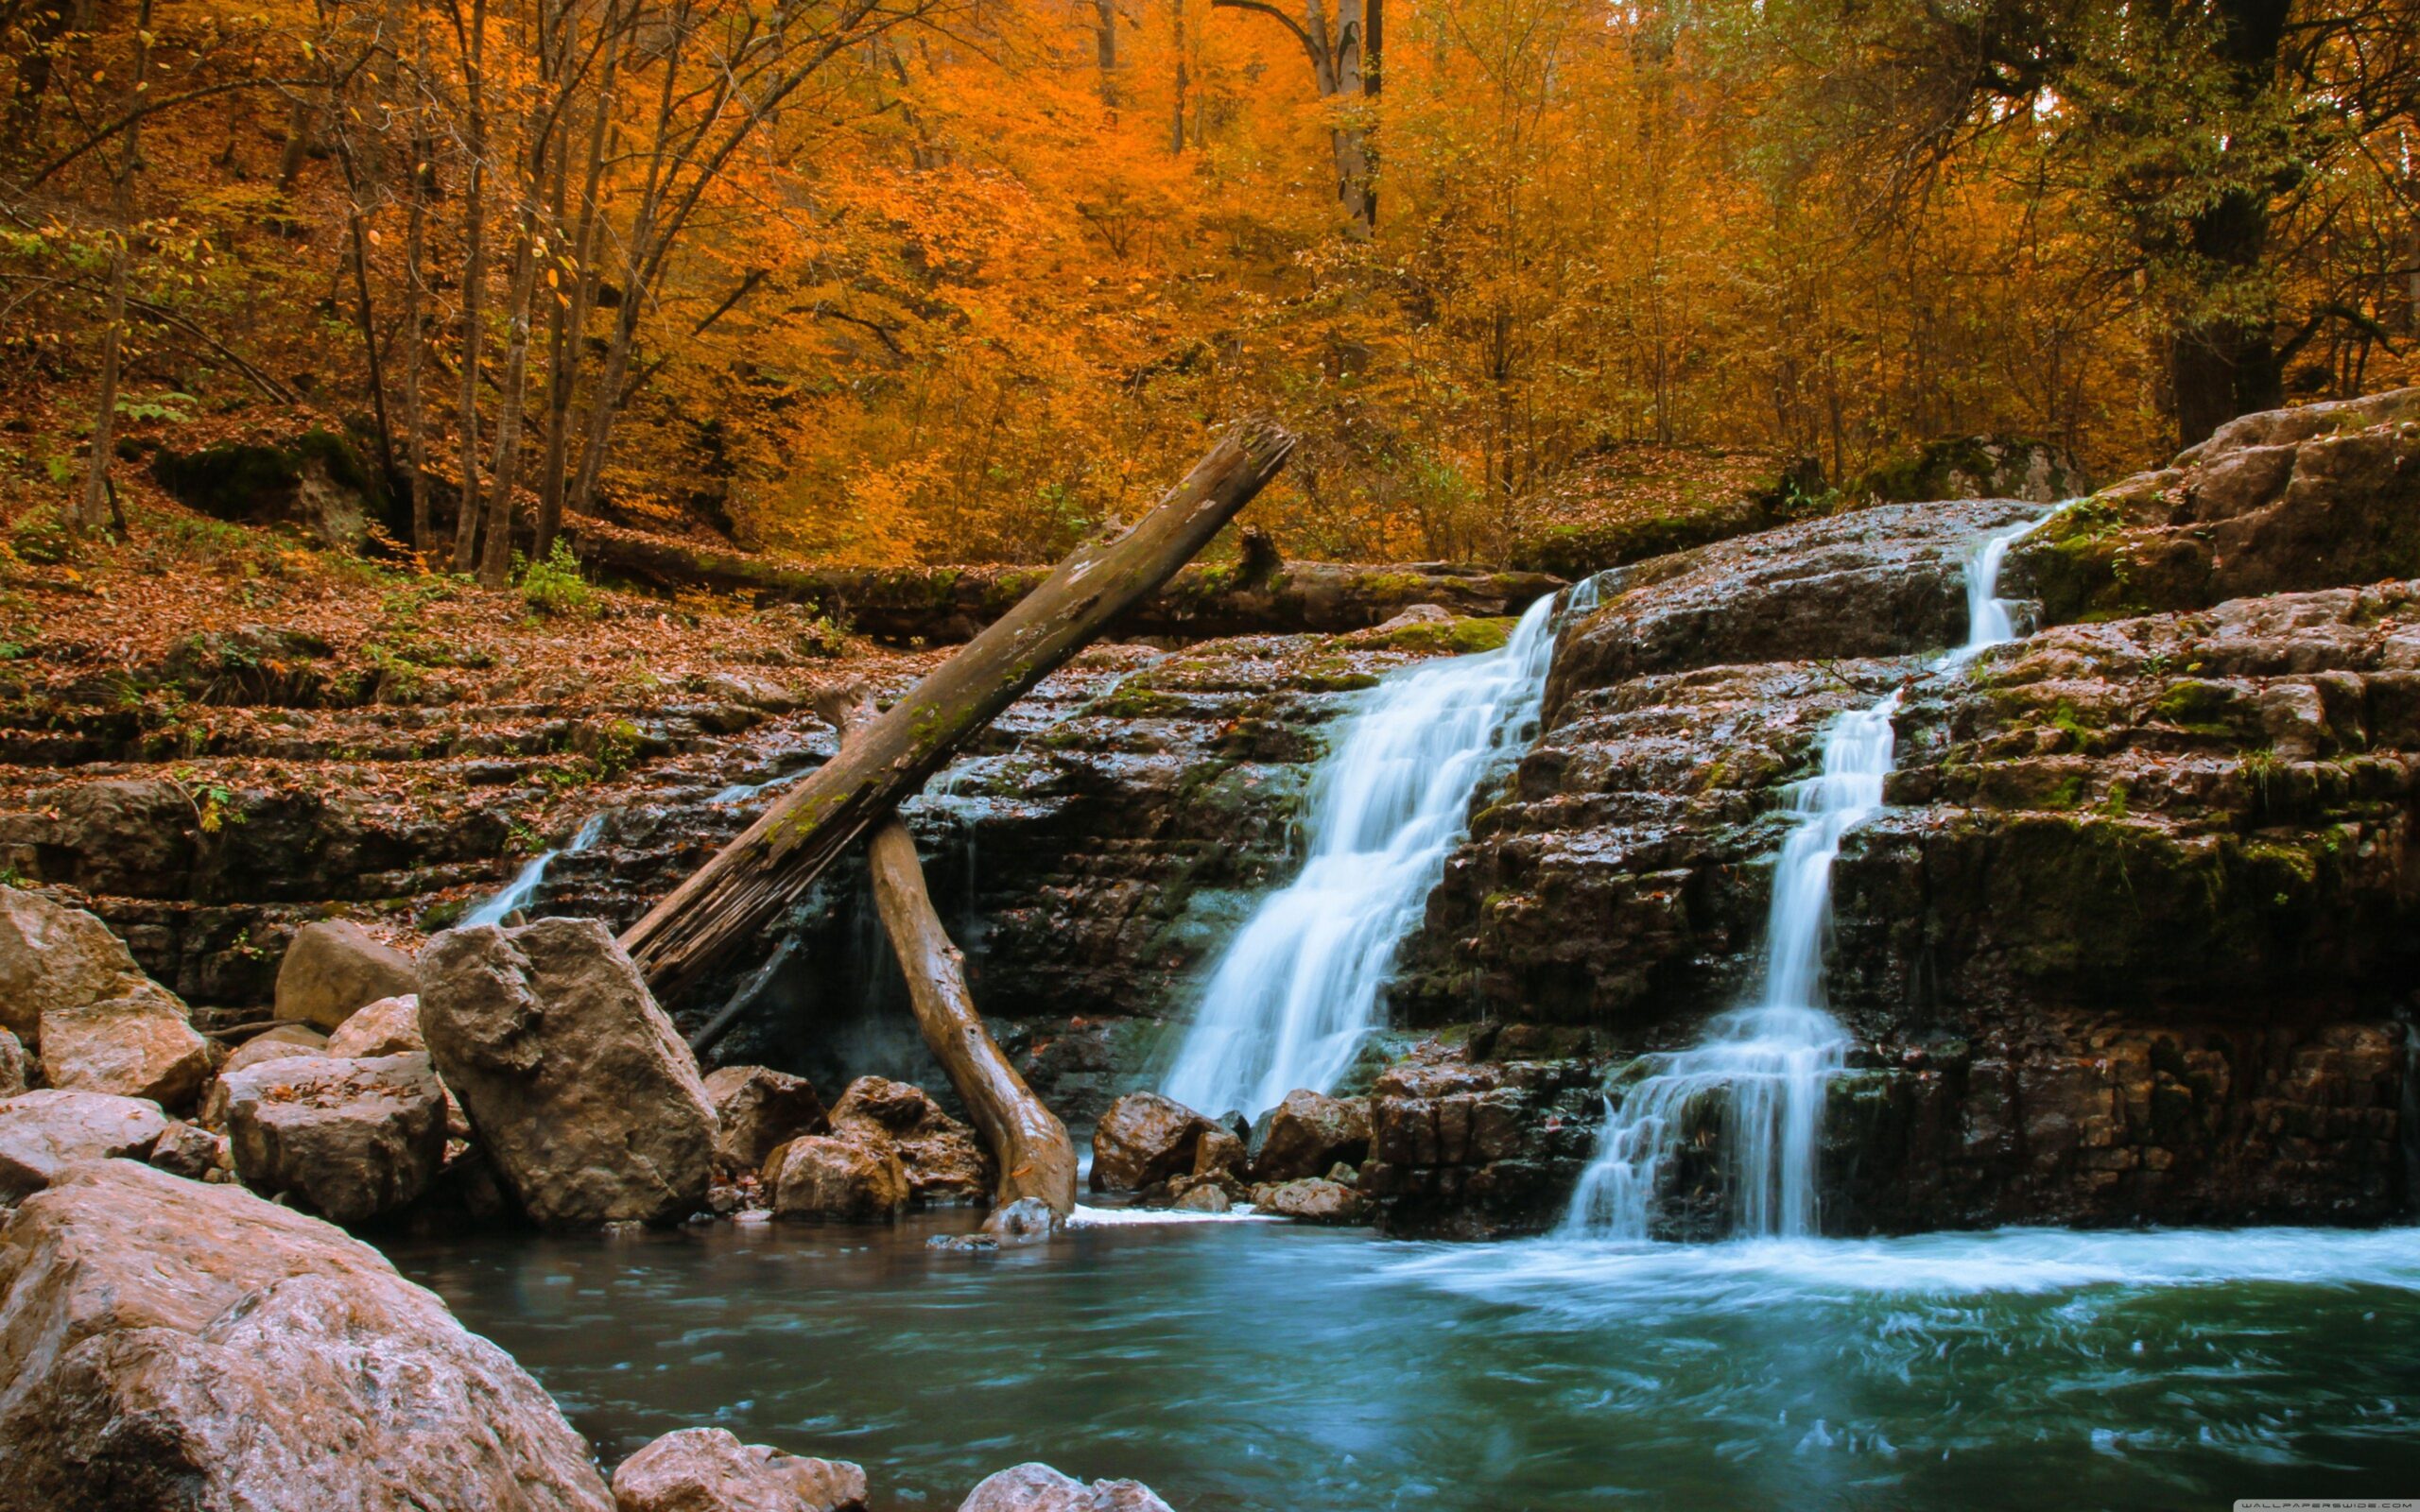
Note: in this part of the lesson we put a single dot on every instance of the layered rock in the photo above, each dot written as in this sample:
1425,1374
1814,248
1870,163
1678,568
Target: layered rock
582,1095
348,1139
166,1344
709,1469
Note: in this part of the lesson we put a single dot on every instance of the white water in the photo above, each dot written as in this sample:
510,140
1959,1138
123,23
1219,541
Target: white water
1763,1067
1297,991
524,886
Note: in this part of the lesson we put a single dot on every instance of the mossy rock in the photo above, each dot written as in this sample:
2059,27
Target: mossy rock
317,483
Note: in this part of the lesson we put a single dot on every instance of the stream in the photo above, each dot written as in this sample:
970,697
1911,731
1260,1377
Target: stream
1235,1366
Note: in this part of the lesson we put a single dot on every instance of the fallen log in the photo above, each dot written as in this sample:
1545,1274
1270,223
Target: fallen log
738,894
1035,1156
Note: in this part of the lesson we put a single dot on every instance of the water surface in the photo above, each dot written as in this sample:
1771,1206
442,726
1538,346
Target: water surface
1246,1365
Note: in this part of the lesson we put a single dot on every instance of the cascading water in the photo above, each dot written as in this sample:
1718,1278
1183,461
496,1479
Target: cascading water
1292,998
524,886
1764,1067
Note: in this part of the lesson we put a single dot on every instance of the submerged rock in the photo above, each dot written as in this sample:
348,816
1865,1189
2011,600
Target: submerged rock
1307,1133
758,1110
585,1099
1036,1487
44,1133
336,967
709,1469
350,1139
171,1347
943,1161
129,1046
846,1177
390,1026
1314,1199
54,957
1025,1221
1143,1139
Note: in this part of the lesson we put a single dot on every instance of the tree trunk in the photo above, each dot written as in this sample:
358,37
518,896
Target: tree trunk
98,501
745,887
1036,1158
415,340
474,272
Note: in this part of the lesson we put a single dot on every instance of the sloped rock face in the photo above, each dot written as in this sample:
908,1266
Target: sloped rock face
583,1096
167,1346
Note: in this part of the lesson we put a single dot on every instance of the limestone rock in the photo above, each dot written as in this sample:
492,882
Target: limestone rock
350,1139
585,1097
1315,1200
1307,1133
709,1469
1144,1139
335,967
390,1026
191,1151
849,1178
757,1111
130,1047
57,958
944,1159
42,1133
285,1041
12,1065
166,1344
1037,1487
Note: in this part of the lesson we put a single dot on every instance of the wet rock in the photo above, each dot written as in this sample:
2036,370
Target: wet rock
191,1151
349,1140
390,1026
1307,1133
1312,1200
285,1041
166,1344
586,1100
1037,1487
1143,1139
129,1047
44,1133
1220,1152
1206,1196
709,1469
757,1111
56,957
335,967
944,1159
1025,1221
844,1178
13,1067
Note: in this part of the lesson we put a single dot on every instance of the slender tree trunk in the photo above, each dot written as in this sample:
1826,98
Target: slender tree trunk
416,338
570,332
1184,78
738,894
1036,1159
474,272
495,562
43,22
98,501
1105,48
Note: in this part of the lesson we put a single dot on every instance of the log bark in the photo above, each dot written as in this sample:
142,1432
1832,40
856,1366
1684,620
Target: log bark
1036,1158
736,895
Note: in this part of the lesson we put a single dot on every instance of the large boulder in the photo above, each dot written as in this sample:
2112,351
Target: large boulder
390,1026
1143,1139
847,1178
130,1047
335,967
348,1139
57,958
281,1044
709,1469
168,1345
586,1100
1036,1487
42,1133
757,1111
1308,1134
945,1161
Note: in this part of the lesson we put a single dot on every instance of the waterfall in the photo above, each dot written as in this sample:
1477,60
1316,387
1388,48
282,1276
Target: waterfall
1762,1069
1296,991
524,886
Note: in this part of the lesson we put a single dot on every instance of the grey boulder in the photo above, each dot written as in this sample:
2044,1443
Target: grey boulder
349,1140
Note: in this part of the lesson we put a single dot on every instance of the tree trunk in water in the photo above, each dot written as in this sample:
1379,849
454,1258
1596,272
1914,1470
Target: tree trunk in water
1035,1156
746,885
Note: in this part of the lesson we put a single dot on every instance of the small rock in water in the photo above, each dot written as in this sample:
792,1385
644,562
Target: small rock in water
757,1111
336,967
1309,1201
1144,1139
709,1469
943,1159
1025,1221
1206,1197
1036,1487
846,1177
1309,1133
